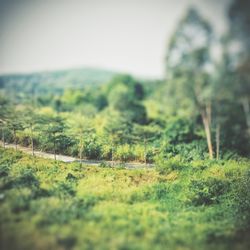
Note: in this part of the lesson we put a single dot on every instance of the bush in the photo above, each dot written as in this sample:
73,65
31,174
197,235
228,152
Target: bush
160,192
27,178
195,150
4,170
179,130
208,191
20,203
164,166
241,199
104,165
67,211
123,153
139,151
106,152
63,189
73,150
92,148
23,139
9,157
19,199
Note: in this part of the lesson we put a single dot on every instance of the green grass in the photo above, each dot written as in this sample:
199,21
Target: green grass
198,205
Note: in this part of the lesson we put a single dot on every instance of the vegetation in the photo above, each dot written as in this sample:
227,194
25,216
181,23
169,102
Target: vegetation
193,125
181,205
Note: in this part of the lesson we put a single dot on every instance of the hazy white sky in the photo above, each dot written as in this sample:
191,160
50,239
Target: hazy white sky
124,35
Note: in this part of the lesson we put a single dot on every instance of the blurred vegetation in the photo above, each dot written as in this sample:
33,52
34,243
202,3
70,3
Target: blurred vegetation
203,100
194,125
179,205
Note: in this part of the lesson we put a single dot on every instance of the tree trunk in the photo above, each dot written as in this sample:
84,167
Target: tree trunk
81,149
3,137
209,113
217,141
246,108
32,145
32,141
54,141
206,114
112,153
206,124
14,131
145,152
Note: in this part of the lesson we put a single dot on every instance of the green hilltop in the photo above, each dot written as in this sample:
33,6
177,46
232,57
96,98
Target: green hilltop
55,81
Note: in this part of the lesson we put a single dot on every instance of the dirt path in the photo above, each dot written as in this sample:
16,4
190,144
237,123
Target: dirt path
65,158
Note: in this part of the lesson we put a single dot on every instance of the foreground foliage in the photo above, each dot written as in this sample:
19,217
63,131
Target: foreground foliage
179,205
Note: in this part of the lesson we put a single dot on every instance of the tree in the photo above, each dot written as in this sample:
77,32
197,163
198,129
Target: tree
124,95
235,76
14,124
30,120
117,130
4,111
80,127
145,134
239,17
52,128
188,61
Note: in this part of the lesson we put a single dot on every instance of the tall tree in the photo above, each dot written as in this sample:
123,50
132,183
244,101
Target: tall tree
239,19
5,109
188,63
144,135
117,130
52,128
14,124
125,95
80,127
30,120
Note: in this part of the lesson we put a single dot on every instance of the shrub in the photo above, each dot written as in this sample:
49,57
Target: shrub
195,150
139,152
23,139
70,177
67,242
27,178
19,200
124,153
106,152
160,191
241,199
92,148
38,192
208,191
4,170
9,157
20,203
66,211
62,189
73,150
164,166
179,130
104,165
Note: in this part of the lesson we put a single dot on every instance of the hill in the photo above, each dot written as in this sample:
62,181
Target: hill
55,81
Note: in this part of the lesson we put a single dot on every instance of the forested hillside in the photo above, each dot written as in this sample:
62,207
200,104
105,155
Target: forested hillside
54,81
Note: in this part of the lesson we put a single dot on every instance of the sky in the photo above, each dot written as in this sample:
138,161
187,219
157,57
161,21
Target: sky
122,35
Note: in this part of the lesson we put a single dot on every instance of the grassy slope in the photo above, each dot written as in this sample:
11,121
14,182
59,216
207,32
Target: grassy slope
48,205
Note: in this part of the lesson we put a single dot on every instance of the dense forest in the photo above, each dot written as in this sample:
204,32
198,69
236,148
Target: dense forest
193,126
